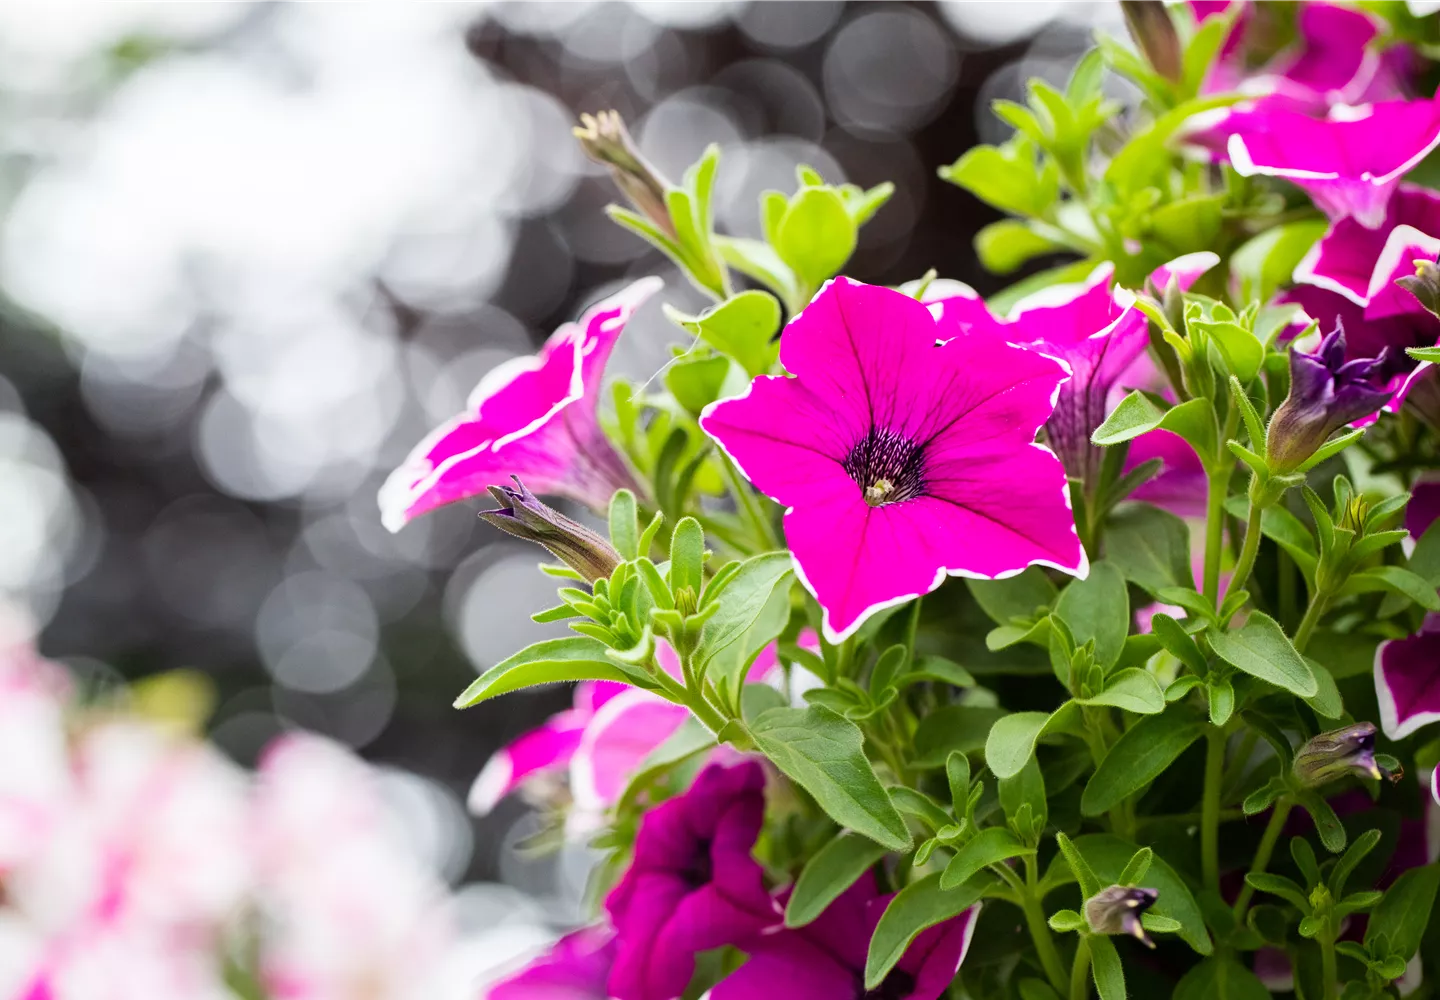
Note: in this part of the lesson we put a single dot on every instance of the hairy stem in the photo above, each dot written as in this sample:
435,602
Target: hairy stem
1210,808
1263,854
1040,929
1080,972
1246,562
912,629
1311,619
1219,486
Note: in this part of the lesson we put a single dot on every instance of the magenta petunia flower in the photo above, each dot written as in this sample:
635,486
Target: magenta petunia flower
1407,680
576,968
1349,162
825,960
530,417
1423,509
903,446
1349,277
693,884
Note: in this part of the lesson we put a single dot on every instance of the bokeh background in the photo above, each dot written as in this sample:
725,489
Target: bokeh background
251,252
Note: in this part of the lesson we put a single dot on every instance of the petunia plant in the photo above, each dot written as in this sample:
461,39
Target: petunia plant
1171,732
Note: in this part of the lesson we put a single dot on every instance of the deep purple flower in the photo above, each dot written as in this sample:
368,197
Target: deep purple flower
1326,393
693,884
1349,277
1407,680
904,447
825,960
1349,162
531,417
576,968
1423,509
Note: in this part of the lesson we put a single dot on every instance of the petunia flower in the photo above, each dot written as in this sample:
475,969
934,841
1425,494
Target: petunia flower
1326,393
693,884
1349,277
1407,680
1117,909
1349,162
530,417
523,515
825,960
576,968
903,446
1423,509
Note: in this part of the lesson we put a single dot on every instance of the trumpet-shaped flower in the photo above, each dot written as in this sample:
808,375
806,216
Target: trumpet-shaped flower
1349,276
904,448
531,417
825,960
1349,162
693,884
1326,393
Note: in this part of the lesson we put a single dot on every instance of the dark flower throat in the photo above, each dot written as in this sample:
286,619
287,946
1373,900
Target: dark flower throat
887,466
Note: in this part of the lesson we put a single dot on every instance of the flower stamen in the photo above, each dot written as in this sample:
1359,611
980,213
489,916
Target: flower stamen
887,466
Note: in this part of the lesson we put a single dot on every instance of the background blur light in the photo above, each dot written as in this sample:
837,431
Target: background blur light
251,253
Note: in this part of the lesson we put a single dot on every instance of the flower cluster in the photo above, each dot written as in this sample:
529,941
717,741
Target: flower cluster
811,757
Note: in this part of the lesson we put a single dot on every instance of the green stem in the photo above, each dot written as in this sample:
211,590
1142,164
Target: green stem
1080,972
748,502
1210,808
1287,588
912,629
691,699
1219,487
845,660
1327,967
1040,929
1246,562
1263,854
1311,619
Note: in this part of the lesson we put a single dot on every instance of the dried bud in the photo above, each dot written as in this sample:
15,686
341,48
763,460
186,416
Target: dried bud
605,140
1326,393
1337,753
1117,910
1153,31
521,514
1424,284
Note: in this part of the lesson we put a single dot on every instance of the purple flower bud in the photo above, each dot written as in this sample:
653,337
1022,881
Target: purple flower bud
1326,393
1424,284
605,140
523,515
1117,910
1333,755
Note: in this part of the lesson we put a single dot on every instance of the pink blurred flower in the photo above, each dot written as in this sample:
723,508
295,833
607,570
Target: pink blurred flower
825,960
530,417
1407,671
576,968
903,446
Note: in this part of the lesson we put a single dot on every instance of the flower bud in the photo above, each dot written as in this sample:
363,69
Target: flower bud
1333,755
1117,910
1424,284
1154,32
605,140
1326,393
521,514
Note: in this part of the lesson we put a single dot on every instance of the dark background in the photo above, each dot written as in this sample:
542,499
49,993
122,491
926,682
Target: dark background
288,594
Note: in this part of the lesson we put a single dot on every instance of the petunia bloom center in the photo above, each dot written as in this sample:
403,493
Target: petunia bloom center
896,986
701,868
887,466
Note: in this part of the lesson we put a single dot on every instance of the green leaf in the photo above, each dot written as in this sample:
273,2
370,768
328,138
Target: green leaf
687,556
1404,913
758,260
1137,414
1026,788
1150,547
1188,224
1106,968
1327,824
754,609
1006,245
1431,354
1011,742
743,327
1265,263
1327,701
1179,643
1396,580
1015,597
1261,649
824,754
1136,868
816,235
698,380
832,870
1242,352
1220,978
915,908
1004,177
988,847
571,658
1139,757
624,524
1098,608
936,668
1108,856
949,728
1132,689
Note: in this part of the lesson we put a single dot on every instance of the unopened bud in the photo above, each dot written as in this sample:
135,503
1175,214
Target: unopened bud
1117,910
605,140
1326,393
687,602
1154,32
521,514
1424,284
1333,755
1352,518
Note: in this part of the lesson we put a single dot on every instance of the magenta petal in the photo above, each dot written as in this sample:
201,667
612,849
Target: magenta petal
798,971
576,968
1347,260
531,417
1180,486
1349,163
546,748
935,956
1334,55
1186,270
625,731
1424,507
1407,680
